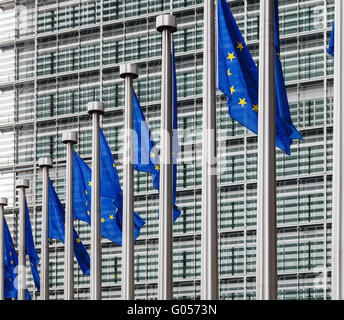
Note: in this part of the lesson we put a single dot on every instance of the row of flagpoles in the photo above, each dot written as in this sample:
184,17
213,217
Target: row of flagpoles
95,196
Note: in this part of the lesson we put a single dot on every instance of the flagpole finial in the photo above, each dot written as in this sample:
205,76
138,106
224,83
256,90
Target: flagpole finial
95,106
22,183
45,162
166,21
70,137
128,69
3,201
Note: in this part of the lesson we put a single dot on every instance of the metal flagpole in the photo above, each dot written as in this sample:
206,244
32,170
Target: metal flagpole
22,184
45,164
69,138
96,108
128,72
3,202
266,279
338,164
166,24
209,260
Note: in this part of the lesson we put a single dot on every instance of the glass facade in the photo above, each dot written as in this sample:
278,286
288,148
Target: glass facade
56,56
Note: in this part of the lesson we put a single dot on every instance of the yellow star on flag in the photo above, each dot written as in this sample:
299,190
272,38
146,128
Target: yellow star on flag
231,56
240,46
78,240
153,153
90,183
242,102
157,167
255,107
229,72
102,220
86,192
88,212
111,217
232,90
114,165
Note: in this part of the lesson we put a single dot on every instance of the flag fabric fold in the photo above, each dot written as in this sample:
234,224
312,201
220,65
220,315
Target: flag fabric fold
110,186
175,144
331,43
238,79
57,230
82,177
146,158
30,249
281,92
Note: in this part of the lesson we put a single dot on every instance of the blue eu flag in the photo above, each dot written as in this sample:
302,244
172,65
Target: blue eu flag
110,186
282,105
82,177
111,197
10,267
175,144
10,262
30,249
238,80
146,157
57,230
331,44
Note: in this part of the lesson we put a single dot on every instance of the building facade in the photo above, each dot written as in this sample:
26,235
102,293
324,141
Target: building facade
58,55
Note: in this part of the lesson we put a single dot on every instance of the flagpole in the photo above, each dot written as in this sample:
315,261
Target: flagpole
338,164
22,184
95,108
128,72
69,138
166,24
266,279
209,259
45,164
3,203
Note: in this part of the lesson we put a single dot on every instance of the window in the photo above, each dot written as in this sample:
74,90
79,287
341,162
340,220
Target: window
46,147
46,63
89,56
46,105
46,21
112,10
113,52
68,60
67,102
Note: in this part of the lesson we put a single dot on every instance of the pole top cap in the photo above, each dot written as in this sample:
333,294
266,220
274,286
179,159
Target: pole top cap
71,137
166,21
45,162
95,106
22,183
3,201
128,69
